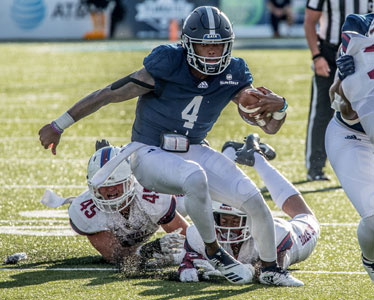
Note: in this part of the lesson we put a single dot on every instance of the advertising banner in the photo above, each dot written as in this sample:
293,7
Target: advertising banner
152,18
47,19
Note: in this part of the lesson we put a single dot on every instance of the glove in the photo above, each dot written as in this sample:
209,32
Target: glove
172,242
346,66
168,259
189,275
205,268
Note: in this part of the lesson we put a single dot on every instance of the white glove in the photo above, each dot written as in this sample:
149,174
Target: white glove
189,275
172,242
206,268
169,258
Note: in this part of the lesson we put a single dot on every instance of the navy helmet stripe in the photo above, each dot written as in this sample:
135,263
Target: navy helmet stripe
105,155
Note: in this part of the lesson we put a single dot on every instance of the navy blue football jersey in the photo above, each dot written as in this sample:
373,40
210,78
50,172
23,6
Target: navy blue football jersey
180,102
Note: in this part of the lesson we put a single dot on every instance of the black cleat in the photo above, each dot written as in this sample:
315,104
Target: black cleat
246,154
317,176
232,144
101,144
266,149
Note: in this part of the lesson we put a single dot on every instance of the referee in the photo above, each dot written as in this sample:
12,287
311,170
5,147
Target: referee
329,15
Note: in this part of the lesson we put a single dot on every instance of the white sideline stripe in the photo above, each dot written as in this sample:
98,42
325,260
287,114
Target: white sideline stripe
66,138
59,269
332,272
41,186
114,269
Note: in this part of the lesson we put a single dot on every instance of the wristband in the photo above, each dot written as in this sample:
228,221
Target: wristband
64,121
56,128
285,105
278,115
317,55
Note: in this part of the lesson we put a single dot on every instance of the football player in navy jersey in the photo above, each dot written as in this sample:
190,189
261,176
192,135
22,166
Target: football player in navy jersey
350,133
182,90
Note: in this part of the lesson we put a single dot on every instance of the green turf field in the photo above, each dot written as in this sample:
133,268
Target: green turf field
38,82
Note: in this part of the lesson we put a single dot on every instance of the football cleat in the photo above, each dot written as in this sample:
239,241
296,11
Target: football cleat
246,154
274,275
369,267
267,150
230,268
317,176
101,144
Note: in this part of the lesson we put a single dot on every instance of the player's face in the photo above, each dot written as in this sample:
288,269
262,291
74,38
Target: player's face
111,192
230,221
209,50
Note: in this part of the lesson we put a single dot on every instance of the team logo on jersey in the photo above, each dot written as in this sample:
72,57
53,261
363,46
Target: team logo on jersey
228,77
203,85
352,137
229,82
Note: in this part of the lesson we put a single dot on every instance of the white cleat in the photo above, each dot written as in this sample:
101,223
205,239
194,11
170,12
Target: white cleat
230,268
278,276
369,267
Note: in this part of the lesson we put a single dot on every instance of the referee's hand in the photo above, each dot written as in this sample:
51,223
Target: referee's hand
321,67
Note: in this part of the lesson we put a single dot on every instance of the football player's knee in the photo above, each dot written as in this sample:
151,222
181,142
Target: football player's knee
196,184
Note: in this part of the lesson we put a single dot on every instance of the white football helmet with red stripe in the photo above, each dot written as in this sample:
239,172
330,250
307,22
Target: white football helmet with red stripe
121,176
230,233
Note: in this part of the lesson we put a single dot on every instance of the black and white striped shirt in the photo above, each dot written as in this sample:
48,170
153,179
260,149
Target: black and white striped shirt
334,13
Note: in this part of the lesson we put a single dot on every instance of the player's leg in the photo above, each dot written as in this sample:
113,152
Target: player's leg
169,173
283,193
353,162
320,114
365,234
229,185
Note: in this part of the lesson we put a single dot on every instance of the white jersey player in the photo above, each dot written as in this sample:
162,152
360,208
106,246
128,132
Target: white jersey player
295,238
122,215
350,134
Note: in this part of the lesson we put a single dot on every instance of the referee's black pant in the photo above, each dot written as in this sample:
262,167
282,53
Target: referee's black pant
320,114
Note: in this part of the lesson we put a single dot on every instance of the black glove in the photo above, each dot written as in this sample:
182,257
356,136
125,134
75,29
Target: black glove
346,66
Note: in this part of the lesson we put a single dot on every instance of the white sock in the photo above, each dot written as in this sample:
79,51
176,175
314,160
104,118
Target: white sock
279,187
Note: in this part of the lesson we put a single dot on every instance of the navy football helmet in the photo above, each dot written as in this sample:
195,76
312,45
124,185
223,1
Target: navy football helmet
207,25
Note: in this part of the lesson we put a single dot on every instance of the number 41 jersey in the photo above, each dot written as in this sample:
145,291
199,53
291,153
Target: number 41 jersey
148,210
180,102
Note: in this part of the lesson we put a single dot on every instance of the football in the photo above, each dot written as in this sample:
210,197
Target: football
246,98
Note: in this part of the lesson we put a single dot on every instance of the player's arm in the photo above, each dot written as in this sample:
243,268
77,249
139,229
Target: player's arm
133,85
311,20
177,222
109,247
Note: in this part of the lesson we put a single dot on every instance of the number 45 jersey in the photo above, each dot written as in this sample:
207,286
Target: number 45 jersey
182,103
148,210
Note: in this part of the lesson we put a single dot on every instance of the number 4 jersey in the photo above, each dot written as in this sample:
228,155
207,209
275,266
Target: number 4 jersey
180,102
148,210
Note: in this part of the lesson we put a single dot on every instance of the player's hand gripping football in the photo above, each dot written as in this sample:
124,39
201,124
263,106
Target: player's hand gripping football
49,138
269,102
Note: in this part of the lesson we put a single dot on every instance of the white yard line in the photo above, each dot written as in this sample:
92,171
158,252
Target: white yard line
114,269
42,186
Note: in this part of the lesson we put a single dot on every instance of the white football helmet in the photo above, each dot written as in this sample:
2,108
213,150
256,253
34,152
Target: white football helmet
122,175
225,234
